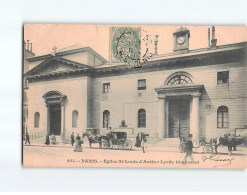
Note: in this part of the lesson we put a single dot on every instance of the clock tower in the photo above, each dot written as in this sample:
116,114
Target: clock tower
181,40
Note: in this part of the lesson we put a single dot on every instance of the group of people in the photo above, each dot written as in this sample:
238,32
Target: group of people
51,140
78,142
141,141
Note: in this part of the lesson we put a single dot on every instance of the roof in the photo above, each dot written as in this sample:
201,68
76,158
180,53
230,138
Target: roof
68,50
46,62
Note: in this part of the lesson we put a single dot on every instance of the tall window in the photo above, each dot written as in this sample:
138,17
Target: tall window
222,117
141,118
106,87
36,119
74,118
142,84
106,119
223,77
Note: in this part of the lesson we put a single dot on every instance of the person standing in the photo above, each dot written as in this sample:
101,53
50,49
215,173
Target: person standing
72,138
78,143
143,143
27,139
47,140
188,148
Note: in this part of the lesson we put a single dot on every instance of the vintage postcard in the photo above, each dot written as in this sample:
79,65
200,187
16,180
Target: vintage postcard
134,96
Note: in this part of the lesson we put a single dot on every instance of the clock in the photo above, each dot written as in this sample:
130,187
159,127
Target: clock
180,40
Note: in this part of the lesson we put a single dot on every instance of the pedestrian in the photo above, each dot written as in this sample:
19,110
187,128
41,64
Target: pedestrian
27,139
78,142
47,140
53,139
72,138
188,148
230,144
143,142
138,140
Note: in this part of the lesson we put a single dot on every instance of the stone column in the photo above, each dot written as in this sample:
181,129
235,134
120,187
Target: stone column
48,118
161,117
62,120
195,116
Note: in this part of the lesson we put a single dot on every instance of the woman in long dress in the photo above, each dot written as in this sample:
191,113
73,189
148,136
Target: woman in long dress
78,143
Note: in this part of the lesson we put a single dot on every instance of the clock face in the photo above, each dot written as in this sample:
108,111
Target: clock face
180,40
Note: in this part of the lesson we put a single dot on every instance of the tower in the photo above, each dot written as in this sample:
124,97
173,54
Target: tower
181,40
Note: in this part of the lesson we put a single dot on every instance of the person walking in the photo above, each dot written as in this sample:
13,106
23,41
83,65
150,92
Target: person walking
188,148
27,139
72,138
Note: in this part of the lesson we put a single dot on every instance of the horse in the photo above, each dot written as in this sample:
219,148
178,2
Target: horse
93,139
230,141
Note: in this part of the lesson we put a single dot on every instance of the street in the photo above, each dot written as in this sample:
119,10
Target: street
155,157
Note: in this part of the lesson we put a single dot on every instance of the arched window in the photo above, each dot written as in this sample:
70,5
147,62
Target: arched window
222,117
180,78
74,118
36,119
141,118
106,119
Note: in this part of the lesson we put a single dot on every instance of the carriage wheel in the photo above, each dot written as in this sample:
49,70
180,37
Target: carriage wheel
120,144
127,145
104,144
207,149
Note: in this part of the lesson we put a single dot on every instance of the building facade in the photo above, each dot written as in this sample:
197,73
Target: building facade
202,92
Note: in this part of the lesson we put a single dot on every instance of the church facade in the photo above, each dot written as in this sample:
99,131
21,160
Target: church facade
201,92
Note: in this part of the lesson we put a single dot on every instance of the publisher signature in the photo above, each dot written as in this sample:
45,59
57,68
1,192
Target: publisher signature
218,158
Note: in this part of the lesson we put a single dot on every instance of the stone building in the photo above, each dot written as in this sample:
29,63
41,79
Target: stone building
202,92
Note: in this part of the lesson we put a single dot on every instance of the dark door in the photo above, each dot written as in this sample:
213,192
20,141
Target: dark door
55,119
179,118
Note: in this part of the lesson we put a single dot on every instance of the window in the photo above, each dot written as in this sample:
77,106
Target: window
106,87
180,79
106,119
142,84
74,118
222,117
36,119
223,77
141,118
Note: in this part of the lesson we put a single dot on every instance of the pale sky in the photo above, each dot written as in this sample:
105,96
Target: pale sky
45,36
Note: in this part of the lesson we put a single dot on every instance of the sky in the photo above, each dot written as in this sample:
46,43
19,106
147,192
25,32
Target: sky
45,36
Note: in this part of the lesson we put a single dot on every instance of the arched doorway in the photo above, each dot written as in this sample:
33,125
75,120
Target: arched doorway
179,106
55,112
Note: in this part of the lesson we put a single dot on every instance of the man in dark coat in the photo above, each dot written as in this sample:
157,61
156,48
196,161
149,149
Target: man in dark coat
72,138
188,148
27,139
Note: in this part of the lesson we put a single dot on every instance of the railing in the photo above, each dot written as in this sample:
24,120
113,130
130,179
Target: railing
34,135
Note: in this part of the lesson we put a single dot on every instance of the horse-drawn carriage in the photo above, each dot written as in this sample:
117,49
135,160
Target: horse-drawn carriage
207,147
110,140
230,141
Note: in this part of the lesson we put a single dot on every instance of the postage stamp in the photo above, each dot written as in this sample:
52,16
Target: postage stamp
125,45
134,96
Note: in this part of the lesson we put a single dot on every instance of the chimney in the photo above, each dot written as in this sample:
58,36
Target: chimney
213,41
31,47
208,37
28,45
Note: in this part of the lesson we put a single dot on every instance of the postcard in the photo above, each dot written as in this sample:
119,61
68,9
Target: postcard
134,96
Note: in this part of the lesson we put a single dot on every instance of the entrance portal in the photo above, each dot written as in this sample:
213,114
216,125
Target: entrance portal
179,118
55,119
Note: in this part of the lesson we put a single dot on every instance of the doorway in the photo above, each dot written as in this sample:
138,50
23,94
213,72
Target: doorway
179,118
55,119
